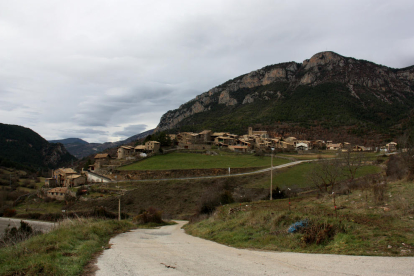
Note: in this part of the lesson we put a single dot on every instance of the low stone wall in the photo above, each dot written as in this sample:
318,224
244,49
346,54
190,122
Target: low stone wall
162,174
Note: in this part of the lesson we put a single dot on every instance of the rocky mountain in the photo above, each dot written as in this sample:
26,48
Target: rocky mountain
23,147
355,97
81,148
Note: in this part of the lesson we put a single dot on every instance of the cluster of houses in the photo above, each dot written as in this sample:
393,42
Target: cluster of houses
259,140
61,180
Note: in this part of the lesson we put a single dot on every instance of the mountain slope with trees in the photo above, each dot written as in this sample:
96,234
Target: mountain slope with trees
325,97
23,147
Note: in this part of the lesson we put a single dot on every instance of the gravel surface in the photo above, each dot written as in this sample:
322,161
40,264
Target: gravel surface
36,225
169,251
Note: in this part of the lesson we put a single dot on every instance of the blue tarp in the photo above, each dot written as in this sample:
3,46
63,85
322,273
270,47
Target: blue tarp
297,226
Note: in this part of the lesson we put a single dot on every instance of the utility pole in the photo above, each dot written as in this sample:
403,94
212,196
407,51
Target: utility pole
271,174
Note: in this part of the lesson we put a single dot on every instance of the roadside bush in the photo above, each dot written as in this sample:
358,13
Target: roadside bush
226,198
26,183
151,215
319,233
9,212
396,168
15,235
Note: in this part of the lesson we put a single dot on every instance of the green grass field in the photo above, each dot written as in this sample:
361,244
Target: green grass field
180,161
296,176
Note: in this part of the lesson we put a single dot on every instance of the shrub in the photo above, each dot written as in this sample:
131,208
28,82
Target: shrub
15,235
151,215
9,212
319,233
81,191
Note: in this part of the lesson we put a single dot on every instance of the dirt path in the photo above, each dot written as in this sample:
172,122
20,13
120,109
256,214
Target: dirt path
169,251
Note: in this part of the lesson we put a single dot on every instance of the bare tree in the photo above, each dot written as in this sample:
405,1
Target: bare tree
351,162
326,174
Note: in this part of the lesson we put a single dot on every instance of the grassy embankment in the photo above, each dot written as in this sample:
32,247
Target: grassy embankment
364,226
64,251
182,161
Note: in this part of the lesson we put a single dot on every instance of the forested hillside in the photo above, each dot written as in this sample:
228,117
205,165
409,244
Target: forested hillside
20,146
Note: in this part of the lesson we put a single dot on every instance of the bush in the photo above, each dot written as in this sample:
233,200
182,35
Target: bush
9,212
319,233
15,235
81,191
151,215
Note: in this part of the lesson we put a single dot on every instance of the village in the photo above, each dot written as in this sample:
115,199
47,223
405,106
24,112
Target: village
62,179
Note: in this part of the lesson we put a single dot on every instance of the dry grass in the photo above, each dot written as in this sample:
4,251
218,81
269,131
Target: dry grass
361,225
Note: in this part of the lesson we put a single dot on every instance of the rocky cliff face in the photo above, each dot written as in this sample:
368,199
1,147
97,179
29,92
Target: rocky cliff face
360,76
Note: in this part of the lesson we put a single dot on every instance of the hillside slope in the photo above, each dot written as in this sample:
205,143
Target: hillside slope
356,98
24,146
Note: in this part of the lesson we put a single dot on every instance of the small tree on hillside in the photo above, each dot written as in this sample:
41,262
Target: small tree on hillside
325,174
351,163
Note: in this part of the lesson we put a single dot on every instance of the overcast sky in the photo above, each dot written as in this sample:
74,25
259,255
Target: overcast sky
106,70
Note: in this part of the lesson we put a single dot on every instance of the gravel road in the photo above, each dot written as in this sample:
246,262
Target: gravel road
169,251
36,225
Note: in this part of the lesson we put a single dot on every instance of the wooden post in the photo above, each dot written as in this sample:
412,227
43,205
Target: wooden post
119,208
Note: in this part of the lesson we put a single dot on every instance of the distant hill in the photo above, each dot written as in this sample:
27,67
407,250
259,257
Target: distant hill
69,141
328,97
81,148
20,146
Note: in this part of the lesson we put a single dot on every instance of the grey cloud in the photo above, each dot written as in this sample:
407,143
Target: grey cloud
131,130
101,69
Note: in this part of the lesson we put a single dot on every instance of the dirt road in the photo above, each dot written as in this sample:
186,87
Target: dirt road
169,251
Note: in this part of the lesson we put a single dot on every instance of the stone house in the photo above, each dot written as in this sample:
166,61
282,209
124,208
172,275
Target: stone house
359,148
391,147
102,159
50,182
140,148
286,145
75,180
224,141
261,133
205,136
152,146
302,146
334,146
125,151
57,193
238,148
61,175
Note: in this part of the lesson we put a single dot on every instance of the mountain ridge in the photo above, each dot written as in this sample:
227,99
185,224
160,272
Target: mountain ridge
372,90
80,148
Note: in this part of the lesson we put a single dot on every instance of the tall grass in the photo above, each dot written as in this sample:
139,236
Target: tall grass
63,251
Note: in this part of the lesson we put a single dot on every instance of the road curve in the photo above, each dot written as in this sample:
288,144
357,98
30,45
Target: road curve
169,251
